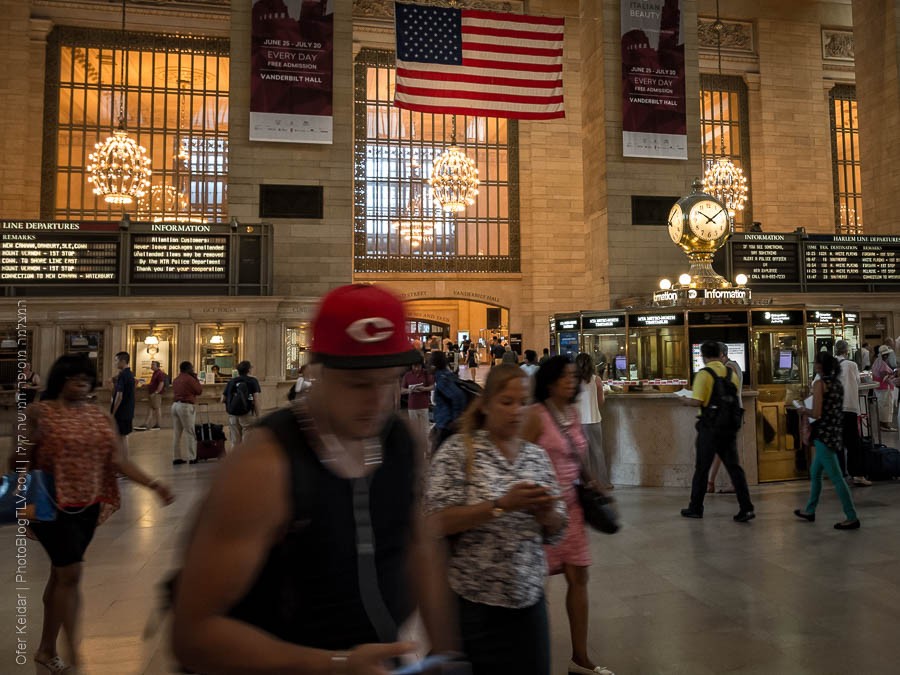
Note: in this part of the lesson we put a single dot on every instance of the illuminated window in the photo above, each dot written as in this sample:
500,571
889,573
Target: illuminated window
176,107
397,225
723,120
296,349
845,160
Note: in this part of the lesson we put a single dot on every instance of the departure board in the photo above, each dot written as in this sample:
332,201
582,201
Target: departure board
36,257
157,258
850,259
767,258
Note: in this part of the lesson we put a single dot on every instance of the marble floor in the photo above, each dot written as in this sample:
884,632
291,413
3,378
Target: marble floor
668,595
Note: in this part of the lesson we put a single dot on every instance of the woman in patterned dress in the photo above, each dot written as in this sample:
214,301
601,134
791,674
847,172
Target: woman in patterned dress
497,496
78,445
828,402
554,425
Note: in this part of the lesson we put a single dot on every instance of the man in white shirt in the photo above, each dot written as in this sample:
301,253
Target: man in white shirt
850,382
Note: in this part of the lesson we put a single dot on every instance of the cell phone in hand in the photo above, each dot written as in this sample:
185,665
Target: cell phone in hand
424,665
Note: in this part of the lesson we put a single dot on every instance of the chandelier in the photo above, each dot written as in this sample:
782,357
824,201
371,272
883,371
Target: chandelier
723,179
454,177
119,168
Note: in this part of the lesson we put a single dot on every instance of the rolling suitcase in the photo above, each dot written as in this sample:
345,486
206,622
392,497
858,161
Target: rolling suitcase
882,463
210,437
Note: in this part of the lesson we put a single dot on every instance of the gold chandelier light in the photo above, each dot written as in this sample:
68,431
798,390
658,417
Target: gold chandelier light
119,168
412,225
723,179
454,177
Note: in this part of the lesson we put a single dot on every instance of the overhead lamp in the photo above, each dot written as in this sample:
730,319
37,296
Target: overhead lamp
684,279
665,284
119,168
741,280
151,338
217,338
454,177
723,179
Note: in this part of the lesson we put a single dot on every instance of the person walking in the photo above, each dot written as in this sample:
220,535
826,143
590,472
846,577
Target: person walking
241,399
530,365
472,361
849,377
154,391
554,424
418,384
122,406
717,461
883,374
80,447
715,392
185,390
314,572
498,497
828,398
449,401
589,401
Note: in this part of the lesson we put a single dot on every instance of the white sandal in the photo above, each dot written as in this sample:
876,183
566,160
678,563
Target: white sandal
581,670
55,666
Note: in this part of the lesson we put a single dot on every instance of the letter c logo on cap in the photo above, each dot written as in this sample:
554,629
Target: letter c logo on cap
372,329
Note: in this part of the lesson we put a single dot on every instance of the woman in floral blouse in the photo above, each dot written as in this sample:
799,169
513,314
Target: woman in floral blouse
78,445
555,425
828,402
497,497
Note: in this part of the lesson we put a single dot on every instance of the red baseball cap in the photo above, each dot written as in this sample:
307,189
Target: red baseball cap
362,326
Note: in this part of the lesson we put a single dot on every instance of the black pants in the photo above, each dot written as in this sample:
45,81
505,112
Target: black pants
708,446
853,444
500,640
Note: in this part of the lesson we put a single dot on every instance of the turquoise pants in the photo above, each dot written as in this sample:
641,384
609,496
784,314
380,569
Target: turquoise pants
826,460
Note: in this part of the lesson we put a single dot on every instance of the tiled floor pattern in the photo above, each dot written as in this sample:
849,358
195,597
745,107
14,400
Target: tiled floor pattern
668,595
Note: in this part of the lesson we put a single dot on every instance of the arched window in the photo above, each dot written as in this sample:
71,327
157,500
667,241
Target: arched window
397,225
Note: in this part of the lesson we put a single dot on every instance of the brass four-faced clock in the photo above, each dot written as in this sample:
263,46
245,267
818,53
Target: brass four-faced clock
700,226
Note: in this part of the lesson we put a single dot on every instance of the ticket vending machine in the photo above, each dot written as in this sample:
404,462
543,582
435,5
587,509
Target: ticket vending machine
779,372
824,327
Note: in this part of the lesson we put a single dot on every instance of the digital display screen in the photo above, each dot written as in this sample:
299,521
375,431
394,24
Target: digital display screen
840,258
767,258
620,363
785,359
165,257
58,258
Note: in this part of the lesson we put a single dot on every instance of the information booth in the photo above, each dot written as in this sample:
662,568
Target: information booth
651,353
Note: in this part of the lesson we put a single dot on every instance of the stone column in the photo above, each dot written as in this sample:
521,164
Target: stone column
876,38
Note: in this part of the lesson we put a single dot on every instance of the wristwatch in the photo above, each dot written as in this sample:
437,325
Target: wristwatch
497,510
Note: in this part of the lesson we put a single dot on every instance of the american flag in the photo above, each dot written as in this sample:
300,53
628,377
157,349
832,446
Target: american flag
471,62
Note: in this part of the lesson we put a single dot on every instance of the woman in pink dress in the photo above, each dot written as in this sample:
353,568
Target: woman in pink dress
555,426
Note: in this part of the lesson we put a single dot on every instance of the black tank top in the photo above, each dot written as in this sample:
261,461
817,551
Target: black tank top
307,592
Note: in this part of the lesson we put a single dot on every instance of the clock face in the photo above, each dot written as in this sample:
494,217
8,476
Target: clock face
708,220
676,223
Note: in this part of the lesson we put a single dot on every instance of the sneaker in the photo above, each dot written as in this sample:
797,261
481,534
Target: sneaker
689,513
140,428
178,461
744,516
861,482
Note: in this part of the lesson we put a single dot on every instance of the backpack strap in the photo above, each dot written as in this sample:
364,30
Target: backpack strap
286,426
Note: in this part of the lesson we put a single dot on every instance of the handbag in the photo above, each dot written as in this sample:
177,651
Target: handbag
27,496
599,508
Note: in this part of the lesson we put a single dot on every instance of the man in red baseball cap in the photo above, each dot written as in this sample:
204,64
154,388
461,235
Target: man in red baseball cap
309,551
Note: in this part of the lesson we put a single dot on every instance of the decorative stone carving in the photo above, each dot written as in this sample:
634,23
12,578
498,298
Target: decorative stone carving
737,36
837,44
384,9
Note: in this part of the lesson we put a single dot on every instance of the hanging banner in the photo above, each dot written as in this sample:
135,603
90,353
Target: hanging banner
291,71
654,119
